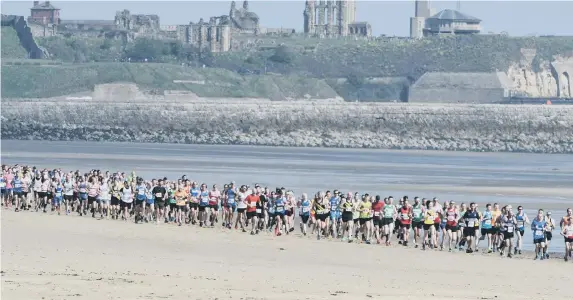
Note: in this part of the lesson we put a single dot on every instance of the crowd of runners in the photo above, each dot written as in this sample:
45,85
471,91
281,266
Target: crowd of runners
426,223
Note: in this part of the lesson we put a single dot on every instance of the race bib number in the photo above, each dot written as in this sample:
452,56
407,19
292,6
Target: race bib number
279,209
510,229
520,223
141,192
259,210
471,223
538,232
322,212
305,209
158,195
376,213
405,217
487,222
451,218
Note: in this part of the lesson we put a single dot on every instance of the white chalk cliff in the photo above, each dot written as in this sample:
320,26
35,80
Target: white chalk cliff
547,79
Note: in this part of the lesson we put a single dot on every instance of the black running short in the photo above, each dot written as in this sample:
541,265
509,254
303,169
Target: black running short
418,225
241,210
124,205
160,204
114,201
347,216
452,228
364,220
91,200
68,197
304,219
251,214
469,231
507,235
387,221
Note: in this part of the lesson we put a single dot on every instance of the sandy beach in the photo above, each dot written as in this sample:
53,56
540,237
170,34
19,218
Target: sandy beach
49,257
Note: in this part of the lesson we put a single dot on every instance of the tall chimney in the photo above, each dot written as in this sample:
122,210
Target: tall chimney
47,3
36,3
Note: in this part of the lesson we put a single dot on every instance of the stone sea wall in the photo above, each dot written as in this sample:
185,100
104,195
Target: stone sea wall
513,128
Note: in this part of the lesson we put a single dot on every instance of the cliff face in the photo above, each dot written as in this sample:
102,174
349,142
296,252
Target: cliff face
536,77
547,129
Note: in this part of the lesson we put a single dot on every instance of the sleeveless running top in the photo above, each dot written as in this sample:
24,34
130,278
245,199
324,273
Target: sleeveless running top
451,217
58,192
388,211
486,222
127,196
347,207
17,185
417,212
405,215
68,188
429,217
508,224
305,208
365,211
214,197
140,192
471,218
538,228
520,221
280,205
231,196
93,190
204,198
82,188
334,203
104,191
195,192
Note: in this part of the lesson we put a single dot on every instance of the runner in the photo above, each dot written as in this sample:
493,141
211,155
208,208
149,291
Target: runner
230,205
365,217
214,202
508,223
304,206
451,229
279,209
322,214
160,194
538,226
548,232
429,228
149,206
104,198
417,220
181,199
347,218
242,208
126,200
471,217
58,193
496,217
194,203
334,202
567,233
252,201
377,223
405,217
522,219
389,214
487,227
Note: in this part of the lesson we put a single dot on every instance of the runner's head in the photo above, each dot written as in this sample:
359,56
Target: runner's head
304,196
488,207
540,214
416,200
548,214
405,204
569,212
214,187
452,203
509,210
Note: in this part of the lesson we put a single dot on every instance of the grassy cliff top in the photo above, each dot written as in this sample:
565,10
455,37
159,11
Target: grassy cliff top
31,81
11,47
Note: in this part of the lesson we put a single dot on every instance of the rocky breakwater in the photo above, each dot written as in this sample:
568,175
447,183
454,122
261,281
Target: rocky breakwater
544,129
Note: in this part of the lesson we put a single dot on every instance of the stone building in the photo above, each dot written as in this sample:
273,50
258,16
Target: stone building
44,13
243,20
212,36
333,19
442,87
448,21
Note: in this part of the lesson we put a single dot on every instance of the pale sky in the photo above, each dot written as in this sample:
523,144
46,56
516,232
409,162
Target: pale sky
387,17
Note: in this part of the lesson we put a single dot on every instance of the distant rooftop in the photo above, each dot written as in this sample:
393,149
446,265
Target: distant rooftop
44,6
451,15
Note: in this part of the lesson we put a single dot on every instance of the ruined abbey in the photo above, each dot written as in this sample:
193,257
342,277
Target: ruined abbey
333,18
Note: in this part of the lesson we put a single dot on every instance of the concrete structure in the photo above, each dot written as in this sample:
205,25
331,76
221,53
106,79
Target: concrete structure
469,88
448,21
333,18
44,13
418,22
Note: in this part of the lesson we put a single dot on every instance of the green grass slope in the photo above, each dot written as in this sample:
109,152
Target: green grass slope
22,81
11,48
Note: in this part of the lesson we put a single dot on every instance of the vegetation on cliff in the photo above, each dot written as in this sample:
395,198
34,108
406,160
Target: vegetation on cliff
35,81
11,48
362,70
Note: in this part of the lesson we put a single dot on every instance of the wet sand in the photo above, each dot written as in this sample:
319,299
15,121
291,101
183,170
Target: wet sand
51,257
